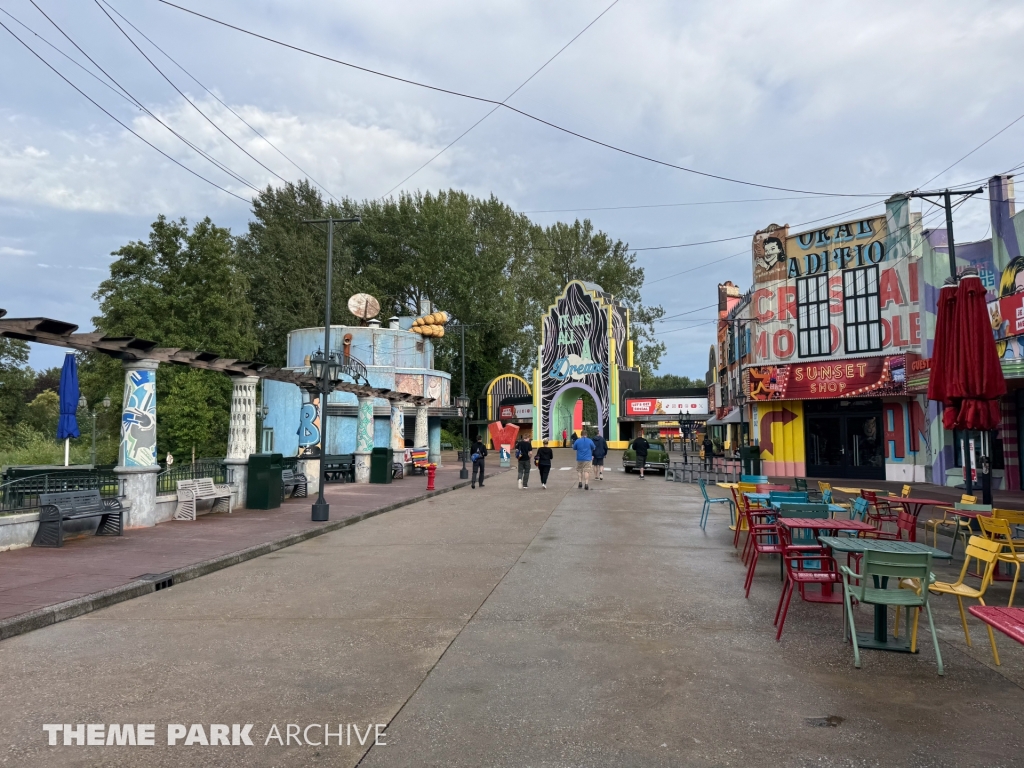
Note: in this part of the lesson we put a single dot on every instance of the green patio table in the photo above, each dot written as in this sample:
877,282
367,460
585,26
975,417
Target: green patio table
879,638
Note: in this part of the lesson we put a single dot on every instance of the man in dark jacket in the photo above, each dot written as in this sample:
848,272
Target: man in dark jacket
544,458
709,451
477,453
600,451
523,449
640,448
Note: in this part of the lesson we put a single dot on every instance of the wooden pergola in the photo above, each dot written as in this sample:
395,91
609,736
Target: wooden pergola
58,333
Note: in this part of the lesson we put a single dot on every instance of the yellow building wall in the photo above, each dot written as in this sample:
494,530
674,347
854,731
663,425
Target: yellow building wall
780,427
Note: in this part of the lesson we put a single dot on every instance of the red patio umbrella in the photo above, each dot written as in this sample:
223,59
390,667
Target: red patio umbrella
942,349
975,381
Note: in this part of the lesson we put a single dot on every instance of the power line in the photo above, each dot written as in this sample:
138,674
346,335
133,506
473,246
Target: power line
186,98
495,109
675,205
986,141
222,103
108,114
142,106
542,121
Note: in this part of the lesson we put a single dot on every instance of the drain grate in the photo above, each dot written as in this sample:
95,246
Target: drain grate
831,721
160,580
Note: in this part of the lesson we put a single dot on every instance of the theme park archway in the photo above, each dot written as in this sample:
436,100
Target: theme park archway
570,391
586,346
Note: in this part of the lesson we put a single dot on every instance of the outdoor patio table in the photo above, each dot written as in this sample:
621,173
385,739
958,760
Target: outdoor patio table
913,507
727,486
880,637
857,491
820,526
833,508
1009,621
759,497
969,514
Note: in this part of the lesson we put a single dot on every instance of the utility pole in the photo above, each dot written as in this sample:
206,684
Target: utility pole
321,509
947,204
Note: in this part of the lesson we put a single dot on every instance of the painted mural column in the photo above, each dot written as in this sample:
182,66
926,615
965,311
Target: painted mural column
421,437
137,463
364,439
397,427
241,434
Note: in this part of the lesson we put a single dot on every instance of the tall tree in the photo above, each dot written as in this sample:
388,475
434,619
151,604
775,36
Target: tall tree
16,380
180,288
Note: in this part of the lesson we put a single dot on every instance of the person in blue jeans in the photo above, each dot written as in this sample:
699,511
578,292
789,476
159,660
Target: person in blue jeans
584,458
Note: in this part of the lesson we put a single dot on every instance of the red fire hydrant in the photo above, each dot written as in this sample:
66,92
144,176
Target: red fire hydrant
431,471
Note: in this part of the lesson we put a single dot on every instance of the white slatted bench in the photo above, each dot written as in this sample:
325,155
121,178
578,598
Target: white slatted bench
191,491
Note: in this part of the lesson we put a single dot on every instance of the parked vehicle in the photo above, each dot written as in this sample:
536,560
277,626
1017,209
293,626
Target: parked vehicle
657,458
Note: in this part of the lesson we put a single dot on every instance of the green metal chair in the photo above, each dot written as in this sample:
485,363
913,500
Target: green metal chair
870,588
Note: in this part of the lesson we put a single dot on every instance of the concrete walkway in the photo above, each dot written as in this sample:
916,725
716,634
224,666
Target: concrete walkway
509,628
90,570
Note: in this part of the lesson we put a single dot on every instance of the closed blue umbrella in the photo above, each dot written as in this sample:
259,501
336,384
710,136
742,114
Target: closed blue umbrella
67,427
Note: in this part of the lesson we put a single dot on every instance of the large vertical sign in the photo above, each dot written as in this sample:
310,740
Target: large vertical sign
575,356
138,419
309,426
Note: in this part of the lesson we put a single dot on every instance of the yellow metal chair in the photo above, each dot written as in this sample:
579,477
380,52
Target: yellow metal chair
949,520
987,552
998,529
1014,517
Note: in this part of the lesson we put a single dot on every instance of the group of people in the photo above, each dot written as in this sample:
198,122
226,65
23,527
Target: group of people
590,455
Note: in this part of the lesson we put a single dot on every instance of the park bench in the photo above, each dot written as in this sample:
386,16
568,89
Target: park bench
293,482
340,468
55,508
192,491
419,460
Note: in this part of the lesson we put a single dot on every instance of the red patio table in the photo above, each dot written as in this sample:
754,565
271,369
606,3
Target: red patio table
821,527
1009,621
913,506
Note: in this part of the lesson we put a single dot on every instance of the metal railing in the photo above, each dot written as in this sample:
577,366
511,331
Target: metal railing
167,481
22,495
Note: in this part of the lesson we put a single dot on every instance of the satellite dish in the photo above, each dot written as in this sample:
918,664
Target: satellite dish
363,306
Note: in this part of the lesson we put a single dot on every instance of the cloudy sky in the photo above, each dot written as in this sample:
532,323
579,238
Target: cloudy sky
856,98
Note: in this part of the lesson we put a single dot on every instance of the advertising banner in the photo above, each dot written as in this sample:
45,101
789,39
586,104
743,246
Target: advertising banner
520,412
857,377
650,406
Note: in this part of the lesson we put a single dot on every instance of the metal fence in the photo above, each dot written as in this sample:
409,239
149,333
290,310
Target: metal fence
22,495
167,481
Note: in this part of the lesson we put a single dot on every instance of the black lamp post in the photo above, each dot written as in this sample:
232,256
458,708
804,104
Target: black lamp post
83,403
462,402
327,370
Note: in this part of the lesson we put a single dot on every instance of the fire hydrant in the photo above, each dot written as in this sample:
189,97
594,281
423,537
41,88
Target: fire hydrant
431,471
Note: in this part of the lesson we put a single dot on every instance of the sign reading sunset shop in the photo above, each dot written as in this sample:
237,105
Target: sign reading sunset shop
863,377
584,341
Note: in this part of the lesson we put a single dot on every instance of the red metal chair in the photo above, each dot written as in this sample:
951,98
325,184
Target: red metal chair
805,564
879,510
764,537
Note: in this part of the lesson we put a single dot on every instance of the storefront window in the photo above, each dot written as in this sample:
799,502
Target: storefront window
863,324
813,336
996,443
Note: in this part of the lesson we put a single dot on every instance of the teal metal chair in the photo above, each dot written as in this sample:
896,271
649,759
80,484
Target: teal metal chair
754,479
708,501
869,587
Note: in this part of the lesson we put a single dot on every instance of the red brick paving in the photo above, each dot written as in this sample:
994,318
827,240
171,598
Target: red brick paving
32,578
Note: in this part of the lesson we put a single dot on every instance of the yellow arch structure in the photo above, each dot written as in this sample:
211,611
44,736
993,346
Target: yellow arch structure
489,392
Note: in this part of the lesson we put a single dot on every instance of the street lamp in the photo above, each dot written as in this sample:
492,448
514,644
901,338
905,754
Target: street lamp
462,403
321,509
83,403
327,370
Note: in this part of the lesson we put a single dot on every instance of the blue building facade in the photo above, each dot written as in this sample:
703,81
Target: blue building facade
395,357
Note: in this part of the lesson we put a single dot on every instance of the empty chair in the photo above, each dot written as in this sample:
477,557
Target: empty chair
754,479
708,501
987,552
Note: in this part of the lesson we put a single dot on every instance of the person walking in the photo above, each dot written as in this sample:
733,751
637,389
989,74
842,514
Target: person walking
565,438
640,448
477,454
523,449
600,451
573,438
544,458
709,451
584,459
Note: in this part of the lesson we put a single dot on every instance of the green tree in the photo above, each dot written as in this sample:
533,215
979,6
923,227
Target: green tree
43,413
15,381
671,381
180,288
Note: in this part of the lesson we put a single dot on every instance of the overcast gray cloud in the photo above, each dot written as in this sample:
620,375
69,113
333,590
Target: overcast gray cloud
866,98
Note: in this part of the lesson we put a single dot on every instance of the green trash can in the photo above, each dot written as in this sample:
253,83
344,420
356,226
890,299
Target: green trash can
381,460
263,487
750,457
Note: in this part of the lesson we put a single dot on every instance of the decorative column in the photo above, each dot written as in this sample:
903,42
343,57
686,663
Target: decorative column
137,465
421,438
364,439
434,441
398,427
241,434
